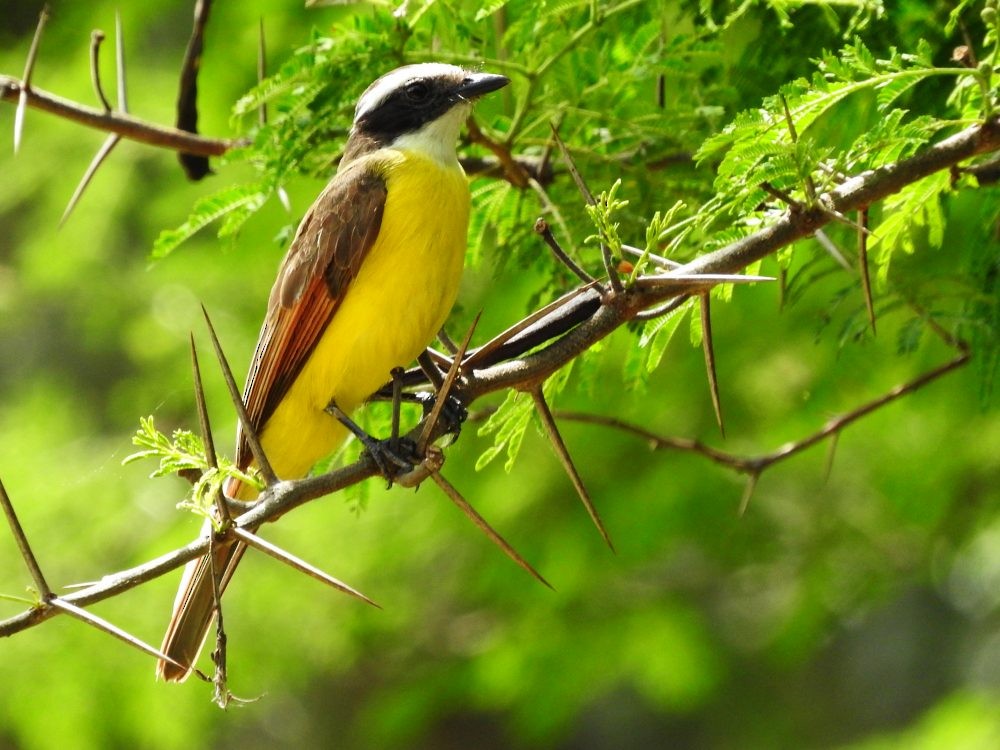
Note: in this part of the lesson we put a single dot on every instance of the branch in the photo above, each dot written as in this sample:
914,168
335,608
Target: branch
855,193
12,89
577,322
756,465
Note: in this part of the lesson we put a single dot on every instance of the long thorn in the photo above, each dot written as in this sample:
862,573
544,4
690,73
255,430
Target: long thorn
709,349
866,282
109,143
103,625
199,394
249,432
445,390
581,185
22,544
552,430
456,497
748,493
29,68
657,259
616,283
252,540
832,250
206,433
831,453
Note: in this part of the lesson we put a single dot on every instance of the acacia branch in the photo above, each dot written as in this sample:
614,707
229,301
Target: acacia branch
572,327
756,465
12,89
854,193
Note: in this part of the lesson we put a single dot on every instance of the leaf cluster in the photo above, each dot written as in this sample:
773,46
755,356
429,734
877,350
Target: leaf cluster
183,453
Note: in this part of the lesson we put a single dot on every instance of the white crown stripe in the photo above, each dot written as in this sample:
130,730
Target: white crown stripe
379,91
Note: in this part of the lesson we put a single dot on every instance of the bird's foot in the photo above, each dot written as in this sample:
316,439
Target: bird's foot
453,412
392,456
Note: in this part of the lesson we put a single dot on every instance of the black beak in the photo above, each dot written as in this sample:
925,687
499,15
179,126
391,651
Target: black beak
476,84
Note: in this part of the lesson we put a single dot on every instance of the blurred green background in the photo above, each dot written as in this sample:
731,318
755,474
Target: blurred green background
856,610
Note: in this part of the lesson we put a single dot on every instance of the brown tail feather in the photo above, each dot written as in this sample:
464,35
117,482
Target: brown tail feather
194,610
194,607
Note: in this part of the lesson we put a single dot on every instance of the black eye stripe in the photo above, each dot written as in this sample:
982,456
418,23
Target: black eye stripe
406,109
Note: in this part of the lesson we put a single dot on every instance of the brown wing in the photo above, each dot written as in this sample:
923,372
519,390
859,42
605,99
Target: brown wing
329,247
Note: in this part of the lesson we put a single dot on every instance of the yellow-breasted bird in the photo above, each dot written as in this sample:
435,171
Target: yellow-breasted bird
368,281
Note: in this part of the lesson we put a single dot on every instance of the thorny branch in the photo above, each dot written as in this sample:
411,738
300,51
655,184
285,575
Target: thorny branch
577,322
11,89
142,131
754,466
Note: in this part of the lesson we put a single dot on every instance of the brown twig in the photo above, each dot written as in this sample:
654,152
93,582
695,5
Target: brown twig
588,197
195,165
781,195
513,171
261,68
12,89
755,465
543,229
96,37
112,140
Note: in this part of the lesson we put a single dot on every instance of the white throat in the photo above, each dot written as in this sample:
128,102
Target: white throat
437,139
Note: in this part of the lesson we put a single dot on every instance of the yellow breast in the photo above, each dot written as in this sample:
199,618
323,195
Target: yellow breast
395,306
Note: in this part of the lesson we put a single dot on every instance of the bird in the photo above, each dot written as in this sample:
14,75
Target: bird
366,284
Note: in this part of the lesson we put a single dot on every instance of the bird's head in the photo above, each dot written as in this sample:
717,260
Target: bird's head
418,106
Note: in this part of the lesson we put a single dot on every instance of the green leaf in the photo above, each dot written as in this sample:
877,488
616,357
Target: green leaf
657,333
913,213
490,8
183,451
245,198
507,424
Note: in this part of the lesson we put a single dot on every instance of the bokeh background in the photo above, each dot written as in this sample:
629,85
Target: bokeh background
858,608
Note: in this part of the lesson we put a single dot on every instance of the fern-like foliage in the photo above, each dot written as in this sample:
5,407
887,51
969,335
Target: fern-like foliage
183,453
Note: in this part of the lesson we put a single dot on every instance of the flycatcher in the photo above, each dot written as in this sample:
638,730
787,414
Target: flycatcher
367,283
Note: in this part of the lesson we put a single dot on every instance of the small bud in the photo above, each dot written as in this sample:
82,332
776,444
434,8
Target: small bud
989,15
